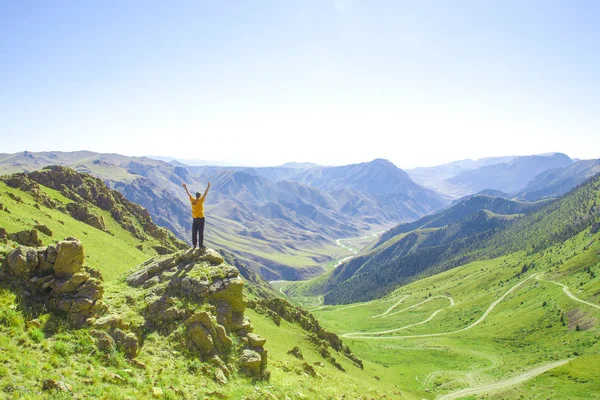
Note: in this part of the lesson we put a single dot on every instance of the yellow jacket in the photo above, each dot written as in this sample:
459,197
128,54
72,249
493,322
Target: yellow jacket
197,207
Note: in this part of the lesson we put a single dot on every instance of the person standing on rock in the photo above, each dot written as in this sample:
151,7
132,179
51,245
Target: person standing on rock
198,216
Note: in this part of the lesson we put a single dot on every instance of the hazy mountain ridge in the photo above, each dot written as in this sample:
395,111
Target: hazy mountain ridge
408,251
558,181
507,174
270,215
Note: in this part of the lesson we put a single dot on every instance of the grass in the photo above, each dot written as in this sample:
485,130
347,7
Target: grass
523,331
112,253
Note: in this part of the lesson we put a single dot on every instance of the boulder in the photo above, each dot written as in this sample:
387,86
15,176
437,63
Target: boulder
126,342
104,341
110,321
213,257
51,253
224,342
309,369
22,261
256,340
296,352
26,238
69,257
595,228
200,337
44,229
250,362
202,318
3,234
220,377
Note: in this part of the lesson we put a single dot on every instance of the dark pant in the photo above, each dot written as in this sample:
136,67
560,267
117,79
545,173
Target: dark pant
198,229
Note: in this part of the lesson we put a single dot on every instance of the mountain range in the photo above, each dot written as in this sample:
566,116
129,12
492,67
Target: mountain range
284,221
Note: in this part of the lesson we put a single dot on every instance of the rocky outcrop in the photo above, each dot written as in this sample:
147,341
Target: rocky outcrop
198,291
86,192
26,238
55,276
82,213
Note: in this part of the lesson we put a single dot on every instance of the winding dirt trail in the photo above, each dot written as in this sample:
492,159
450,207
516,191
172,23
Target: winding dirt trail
567,292
391,308
372,335
504,383
423,302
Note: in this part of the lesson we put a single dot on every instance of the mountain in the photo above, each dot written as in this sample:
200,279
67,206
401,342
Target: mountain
510,177
406,251
436,177
506,174
558,181
477,228
281,220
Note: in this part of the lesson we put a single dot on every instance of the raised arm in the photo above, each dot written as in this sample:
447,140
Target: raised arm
186,189
206,192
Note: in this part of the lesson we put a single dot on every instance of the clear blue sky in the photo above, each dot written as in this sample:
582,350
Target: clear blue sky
329,81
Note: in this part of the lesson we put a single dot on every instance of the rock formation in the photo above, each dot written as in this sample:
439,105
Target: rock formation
198,290
55,275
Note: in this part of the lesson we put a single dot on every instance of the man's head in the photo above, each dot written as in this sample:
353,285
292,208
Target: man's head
198,195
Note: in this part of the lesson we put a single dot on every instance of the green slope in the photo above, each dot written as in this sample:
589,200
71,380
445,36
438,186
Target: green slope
37,346
483,234
508,315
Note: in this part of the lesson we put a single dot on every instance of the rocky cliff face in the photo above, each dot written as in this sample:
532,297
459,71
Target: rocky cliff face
197,291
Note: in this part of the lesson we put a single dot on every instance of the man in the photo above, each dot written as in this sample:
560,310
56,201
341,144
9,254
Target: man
198,215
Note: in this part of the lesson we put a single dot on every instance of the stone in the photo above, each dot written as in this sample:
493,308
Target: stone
110,321
595,228
26,238
200,337
22,261
155,280
309,369
224,342
296,352
212,257
220,377
200,318
256,340
104,341
69,257
71,284
3,234
51,253
127,342
51,384
44,229
250,361
157,392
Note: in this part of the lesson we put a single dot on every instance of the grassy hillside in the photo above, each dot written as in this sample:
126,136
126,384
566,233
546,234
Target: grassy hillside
112,253
488,321
39,346
403,255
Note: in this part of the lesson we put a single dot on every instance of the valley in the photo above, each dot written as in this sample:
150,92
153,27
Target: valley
509,303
